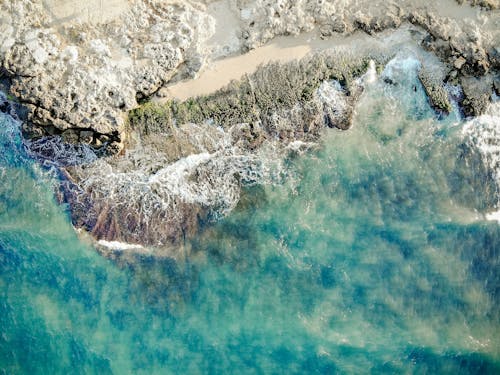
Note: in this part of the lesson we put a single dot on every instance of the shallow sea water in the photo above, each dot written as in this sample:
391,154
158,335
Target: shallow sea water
374,257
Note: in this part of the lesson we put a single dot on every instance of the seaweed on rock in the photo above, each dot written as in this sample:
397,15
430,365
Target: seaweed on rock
256,97
186,161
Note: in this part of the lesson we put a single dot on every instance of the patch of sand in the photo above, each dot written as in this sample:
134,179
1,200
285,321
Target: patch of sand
220,72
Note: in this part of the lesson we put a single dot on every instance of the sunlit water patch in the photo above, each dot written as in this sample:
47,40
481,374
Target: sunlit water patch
375,256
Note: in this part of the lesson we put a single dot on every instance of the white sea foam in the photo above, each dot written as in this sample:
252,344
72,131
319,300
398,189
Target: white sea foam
300,146
483,133
208,179
52,150
331,92
399,67
334,99
371,74
152,190
115,245
494,216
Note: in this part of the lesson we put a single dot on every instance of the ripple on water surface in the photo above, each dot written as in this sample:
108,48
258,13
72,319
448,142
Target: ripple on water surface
373,257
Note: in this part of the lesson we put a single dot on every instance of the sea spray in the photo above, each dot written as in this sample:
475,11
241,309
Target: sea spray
360,265
483,134
152,196
371,74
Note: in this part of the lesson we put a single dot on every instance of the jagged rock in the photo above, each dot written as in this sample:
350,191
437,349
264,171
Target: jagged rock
494,57
114,148
437,94
488,4
496,85
459,62
248,136
477,92
70,136
86,136
81,75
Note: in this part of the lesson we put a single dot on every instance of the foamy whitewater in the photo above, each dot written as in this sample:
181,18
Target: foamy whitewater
375,251
483,133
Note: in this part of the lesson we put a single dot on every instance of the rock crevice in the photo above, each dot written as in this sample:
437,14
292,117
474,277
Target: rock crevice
143,172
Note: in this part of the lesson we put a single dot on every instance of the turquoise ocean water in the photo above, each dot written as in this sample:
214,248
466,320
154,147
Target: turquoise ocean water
373,257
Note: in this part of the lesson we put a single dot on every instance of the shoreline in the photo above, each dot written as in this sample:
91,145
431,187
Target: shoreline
112,93
79,77
284,49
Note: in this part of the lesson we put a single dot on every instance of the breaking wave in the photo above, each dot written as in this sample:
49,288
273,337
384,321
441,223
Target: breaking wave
154,194
52,151
483,133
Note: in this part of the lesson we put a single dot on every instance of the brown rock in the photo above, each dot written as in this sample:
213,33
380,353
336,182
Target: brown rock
86,136
70,136
459,62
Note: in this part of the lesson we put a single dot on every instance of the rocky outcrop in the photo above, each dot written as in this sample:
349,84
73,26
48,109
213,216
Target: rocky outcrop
488,4
436,92
6,106
76,78
186,161
445,21
150,173
465,40
81,72
477,92
259,96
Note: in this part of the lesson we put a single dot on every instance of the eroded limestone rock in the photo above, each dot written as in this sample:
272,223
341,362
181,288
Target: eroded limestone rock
77,71
477,92
436,92
74,75
163,169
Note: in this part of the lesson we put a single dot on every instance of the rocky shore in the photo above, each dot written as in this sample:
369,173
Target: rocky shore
150,172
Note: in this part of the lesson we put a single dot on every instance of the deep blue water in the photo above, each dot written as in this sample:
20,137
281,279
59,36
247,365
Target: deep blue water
373,257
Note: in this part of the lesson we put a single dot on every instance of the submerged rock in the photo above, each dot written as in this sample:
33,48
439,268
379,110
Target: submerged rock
150,173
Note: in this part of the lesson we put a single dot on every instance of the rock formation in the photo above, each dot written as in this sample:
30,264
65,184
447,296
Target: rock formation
78,77
84,74
80,72
186,161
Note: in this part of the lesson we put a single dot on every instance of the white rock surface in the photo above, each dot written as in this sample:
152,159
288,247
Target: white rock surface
74,72
83,65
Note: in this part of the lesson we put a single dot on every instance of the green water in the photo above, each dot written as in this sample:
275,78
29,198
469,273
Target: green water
373,257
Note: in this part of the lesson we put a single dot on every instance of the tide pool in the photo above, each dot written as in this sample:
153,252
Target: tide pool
375,256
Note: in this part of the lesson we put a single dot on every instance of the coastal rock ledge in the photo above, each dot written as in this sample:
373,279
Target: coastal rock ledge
92,82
